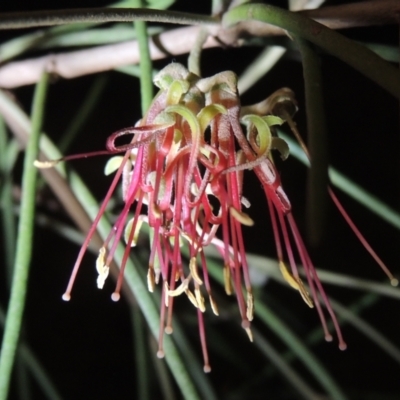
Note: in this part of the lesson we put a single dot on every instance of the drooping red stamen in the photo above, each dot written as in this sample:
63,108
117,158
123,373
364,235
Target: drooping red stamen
67,295
361,238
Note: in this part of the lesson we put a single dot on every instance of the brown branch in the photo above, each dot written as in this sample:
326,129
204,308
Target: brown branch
180,41
102,58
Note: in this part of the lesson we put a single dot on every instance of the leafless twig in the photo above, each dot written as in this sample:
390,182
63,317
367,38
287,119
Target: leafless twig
180,41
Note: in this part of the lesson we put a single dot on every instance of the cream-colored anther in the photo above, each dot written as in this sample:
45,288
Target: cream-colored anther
213,305
180,289
150,279
200,300
227,280
296,283
194,271
166,290
287,276
101,268
240,216
192,298
249,334
250,306
304,293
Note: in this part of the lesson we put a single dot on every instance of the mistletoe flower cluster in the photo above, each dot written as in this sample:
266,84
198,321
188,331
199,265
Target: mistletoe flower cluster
182,175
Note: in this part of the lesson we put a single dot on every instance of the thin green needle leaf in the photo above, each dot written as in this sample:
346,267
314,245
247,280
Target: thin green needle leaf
7,149
100,15
56,35
85,109
285,369
317,195
133,70
24,244
350,187
162,373
352,53
140,346
92,37
191,360
268,266
259,67
300,349
146,65
368,330
195,54
291,340
35,368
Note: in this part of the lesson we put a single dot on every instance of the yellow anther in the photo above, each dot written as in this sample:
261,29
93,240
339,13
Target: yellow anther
227,280
304,293
192,298
131,238
213,305
250,306
296,283
194,272
150,279
200,300
288,276
166,290
156,210
240,216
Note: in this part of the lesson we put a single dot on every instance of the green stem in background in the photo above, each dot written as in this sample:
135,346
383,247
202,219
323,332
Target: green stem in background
351,188
146,66
139,347
290,339
259,67
195,54
6,199
35,368
146,91
302,388
317,141
24,244
352,53
301,350
85,109
36,19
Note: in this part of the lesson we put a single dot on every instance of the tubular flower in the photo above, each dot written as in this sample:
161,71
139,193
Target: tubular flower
182,175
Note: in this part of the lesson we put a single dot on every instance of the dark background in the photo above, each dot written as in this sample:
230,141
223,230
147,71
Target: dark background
86,345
